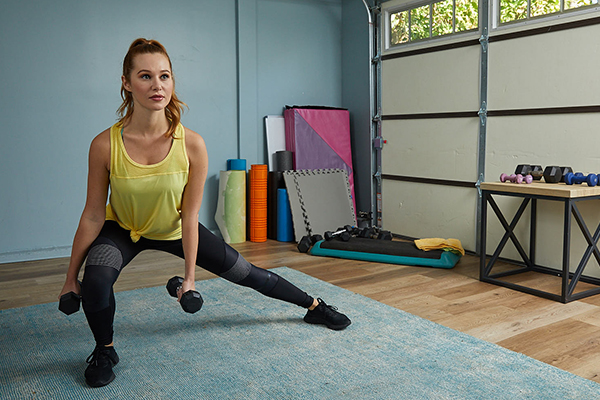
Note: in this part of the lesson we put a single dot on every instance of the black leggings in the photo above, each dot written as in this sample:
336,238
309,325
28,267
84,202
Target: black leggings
113,250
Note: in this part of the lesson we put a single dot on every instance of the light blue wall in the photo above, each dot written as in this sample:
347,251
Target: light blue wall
291,55
234,63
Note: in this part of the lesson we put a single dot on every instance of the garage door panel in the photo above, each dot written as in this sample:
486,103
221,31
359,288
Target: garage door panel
430,211
562,139
432,148
445,81
551,70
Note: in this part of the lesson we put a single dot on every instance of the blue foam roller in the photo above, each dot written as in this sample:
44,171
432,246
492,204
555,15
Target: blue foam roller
285,227
236,164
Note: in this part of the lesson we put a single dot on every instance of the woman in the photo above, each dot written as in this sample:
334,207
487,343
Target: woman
156,170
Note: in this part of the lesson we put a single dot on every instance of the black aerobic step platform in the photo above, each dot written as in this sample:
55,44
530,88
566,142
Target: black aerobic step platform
385,251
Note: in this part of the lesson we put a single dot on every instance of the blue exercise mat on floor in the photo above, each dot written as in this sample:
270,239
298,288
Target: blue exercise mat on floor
385,251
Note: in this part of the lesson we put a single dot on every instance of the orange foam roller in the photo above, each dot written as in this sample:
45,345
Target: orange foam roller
258,202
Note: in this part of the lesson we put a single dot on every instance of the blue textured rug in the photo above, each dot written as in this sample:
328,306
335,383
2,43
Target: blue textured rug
244,346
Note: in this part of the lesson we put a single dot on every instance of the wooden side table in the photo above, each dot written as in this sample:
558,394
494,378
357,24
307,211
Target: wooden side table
531,193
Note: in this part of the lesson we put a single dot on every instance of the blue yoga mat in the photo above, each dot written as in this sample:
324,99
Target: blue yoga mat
285,227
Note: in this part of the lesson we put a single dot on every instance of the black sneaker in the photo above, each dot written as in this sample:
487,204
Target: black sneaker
328,315
99,372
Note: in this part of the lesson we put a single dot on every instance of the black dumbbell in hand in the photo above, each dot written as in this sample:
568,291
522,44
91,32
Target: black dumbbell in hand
69,302
191,301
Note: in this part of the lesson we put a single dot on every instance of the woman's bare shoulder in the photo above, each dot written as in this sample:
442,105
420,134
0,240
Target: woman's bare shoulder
100,147
193,141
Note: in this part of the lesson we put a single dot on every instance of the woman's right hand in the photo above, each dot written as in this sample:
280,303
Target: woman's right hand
70,286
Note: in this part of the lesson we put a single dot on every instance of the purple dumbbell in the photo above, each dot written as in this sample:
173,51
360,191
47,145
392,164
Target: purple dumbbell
518,178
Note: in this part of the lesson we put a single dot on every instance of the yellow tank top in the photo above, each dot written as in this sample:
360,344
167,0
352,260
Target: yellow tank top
146,199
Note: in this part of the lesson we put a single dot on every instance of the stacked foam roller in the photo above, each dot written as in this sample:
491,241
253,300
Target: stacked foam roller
258,202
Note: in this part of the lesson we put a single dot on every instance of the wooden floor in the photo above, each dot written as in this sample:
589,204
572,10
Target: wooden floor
564,335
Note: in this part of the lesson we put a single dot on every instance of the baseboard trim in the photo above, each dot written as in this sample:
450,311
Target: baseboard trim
35,254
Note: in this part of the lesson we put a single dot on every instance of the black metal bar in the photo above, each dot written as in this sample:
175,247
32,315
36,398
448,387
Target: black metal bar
590,279
437,115
524,289
431,181
509,273
585,293
532,230
559,273
510,230
547,270
483,235
592,240
544,111
566,250
591,249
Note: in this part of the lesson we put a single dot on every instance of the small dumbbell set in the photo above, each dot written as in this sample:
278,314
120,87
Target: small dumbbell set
525,173
191,301
344,234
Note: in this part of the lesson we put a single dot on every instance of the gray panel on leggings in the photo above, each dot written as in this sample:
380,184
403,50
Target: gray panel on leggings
239,271
105,255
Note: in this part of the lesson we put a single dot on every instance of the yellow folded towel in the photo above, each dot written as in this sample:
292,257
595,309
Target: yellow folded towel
452,245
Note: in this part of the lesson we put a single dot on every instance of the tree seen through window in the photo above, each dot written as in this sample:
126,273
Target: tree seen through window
446,17
433,20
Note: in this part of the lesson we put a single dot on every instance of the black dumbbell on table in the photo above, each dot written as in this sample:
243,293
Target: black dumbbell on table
191,301
536,171
555,174
69,302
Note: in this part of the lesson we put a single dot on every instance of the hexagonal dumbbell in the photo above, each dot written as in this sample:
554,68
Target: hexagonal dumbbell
191,301
571,178
375,233
536,171
69,303
555,174
366,232
341,233
307,242
384,235
516,178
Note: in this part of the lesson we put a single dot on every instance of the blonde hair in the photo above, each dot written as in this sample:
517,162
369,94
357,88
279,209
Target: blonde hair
173,110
